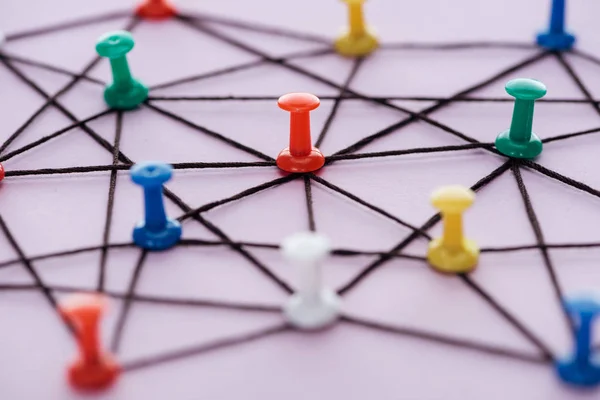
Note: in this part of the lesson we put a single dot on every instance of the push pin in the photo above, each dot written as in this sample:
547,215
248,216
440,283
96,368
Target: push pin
155,9
301,156
519,141
581,369
93,369
125,92
358,40
156,231
453,253
312,306
556,38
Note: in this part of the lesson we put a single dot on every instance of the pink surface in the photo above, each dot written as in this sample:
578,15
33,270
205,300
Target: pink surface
49,214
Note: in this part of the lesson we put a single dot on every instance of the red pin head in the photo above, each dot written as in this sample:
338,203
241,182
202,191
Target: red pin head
93,369
301,155
156,9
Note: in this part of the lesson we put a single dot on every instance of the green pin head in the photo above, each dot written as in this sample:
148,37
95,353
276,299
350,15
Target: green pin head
519,141
526,89
114,44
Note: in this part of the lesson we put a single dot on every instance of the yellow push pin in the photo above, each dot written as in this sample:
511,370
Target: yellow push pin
453,253
358,40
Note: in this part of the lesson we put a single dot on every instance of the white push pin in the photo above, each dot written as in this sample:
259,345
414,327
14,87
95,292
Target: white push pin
312,306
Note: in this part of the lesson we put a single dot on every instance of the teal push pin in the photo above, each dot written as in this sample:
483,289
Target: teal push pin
519,141
582,368
556,38
125,92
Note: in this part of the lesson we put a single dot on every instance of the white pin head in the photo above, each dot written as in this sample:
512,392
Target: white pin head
306,247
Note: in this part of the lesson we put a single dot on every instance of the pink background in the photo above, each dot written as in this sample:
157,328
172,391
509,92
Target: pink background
48,214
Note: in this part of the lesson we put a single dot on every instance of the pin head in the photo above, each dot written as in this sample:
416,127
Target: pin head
526,89
298,102
83,306
452,199
115,44
156,9
306,247
583,306
151,173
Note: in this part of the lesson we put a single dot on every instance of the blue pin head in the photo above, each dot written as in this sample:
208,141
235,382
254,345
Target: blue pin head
583,306
151,173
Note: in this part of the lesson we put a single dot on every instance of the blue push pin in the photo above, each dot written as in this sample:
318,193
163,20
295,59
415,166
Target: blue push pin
581,369
156,231
556,38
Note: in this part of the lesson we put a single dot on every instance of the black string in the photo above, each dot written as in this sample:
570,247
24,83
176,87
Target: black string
50,100
127,303
211,133
64,253
204,348
164,301
68,25
212,243
360,201
56,134
255,27
310,212
570,135
585,56
338,101
569,69
538,247
52,68
418,150
32,271
544,349
110,203
457,46
103,168
561,178
235,68
219,233
539,236
432,337
241,195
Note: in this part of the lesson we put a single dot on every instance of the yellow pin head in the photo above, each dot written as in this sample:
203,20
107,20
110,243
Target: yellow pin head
452,199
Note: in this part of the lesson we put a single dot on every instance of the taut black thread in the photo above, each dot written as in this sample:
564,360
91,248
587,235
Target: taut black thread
112,186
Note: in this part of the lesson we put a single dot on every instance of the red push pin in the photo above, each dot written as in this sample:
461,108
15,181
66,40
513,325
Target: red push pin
93,369
301,156
2,172
156,9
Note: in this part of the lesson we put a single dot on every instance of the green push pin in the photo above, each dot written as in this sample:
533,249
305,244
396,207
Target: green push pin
125,92
519,141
